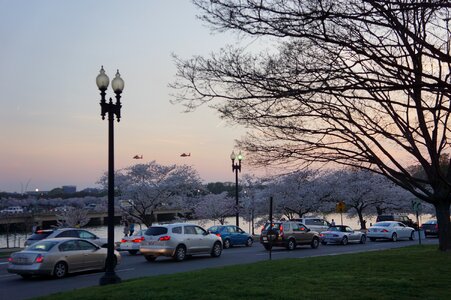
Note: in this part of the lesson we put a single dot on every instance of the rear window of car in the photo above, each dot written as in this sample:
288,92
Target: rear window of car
40,235
383,224
214,228
274,226
43,246
385,218
154,230
431,222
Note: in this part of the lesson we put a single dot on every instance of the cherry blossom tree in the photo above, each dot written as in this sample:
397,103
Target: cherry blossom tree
215,207
365,192
299,193
73,217
152,186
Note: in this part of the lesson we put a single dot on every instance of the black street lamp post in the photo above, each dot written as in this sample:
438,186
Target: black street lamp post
111,109
236,168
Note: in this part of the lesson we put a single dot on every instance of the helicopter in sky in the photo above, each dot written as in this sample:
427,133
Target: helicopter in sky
138,156
185,155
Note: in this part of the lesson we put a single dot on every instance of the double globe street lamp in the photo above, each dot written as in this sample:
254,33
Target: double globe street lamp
111,109
235,168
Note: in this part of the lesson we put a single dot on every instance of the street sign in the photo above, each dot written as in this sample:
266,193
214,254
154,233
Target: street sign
416,205
340,207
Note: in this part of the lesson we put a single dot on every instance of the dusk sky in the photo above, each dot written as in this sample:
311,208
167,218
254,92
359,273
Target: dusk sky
50,125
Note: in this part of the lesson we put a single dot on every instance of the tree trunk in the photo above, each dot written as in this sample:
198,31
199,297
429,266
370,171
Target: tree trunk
361,220
443,219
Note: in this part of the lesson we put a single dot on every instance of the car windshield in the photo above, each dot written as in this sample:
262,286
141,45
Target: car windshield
431,222
336,228
40,235
43,246
154,230
382,224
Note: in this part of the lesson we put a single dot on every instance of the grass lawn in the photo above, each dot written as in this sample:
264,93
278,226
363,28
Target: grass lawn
417,272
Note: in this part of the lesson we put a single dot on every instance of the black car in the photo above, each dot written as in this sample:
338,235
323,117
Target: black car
398,218
430,228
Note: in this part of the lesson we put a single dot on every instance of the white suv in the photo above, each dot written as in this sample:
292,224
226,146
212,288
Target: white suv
178,241
315,224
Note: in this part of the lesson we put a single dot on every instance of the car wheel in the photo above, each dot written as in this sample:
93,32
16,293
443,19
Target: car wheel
363,239
291,244
315,243
344,241
394,237
249,242
60,269
132,252
150,258
412,236
217,250
372,239
227,244
180,253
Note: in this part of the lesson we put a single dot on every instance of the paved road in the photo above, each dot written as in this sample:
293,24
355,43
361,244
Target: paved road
13,287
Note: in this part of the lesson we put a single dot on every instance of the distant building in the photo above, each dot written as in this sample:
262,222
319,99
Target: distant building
69,189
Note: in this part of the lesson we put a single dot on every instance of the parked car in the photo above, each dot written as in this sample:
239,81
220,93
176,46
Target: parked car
342,234
314,223
132,243
430,228
12,210
390,230
65,232
398,218
178,241
288,234
58,257
232,235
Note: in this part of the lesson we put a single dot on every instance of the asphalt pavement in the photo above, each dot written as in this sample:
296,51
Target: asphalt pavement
13,287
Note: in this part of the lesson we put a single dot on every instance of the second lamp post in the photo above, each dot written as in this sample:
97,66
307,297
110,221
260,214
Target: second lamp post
235,168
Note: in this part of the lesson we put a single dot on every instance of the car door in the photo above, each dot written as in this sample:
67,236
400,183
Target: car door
191,239
405,232
352,235
305,236
73,255
205,242
241,236
93,258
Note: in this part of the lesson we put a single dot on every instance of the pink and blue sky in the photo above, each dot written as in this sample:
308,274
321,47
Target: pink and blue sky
50,125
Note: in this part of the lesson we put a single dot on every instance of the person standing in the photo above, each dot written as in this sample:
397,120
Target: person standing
126,228
132,228
332,223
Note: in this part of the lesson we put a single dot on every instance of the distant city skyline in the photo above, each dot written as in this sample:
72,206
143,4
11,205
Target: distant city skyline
50,121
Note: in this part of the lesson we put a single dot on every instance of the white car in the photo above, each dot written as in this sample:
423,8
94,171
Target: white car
314,223
132,243
390,230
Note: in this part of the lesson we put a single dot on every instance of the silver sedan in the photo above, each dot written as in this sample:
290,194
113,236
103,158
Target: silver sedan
341,234
58,257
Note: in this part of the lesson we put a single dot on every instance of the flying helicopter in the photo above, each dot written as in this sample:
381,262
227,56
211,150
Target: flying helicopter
185,155
138,156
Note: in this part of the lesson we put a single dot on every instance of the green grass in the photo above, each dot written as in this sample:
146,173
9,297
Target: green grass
418,272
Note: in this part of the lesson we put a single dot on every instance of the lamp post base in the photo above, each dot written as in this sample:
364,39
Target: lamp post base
109,278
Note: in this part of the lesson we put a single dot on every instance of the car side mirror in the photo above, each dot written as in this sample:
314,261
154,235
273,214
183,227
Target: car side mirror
308,229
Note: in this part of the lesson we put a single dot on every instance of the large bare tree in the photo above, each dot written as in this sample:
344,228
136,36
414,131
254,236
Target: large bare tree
361,83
